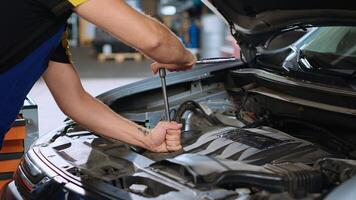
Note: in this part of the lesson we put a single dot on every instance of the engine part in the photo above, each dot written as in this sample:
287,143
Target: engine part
194,106
257,146
214,118
337,170
321,135
207,172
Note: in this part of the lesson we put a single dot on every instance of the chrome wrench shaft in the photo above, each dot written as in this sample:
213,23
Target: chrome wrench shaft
162,75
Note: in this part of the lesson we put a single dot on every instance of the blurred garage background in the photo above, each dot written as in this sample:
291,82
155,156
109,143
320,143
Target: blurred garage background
105,63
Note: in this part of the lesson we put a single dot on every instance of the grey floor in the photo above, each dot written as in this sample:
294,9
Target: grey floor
96,78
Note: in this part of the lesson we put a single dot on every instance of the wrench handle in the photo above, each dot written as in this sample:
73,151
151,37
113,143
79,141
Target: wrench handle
162,74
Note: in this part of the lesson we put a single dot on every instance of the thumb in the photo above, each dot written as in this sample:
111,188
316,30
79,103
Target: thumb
174,126
155,67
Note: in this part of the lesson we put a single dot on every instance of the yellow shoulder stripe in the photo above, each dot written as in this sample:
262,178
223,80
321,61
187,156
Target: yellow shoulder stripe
76,3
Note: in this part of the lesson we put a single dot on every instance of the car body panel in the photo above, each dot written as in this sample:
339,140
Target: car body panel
200,71
255,21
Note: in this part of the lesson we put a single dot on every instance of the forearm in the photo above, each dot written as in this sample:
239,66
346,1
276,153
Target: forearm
84,110
136,29
169,49
74,101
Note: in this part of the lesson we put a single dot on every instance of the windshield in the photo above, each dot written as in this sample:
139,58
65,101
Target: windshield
331,48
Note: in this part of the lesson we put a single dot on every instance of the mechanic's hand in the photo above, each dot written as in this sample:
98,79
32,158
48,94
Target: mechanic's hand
186,64
166,137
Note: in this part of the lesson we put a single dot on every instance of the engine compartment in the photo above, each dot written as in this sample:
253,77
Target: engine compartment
237,144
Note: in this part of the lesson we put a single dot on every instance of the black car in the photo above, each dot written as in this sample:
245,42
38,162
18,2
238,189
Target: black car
280,124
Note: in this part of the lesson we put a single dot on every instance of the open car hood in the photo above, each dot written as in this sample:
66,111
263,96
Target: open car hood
254,22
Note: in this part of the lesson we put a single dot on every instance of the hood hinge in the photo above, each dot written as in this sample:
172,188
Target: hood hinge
248,51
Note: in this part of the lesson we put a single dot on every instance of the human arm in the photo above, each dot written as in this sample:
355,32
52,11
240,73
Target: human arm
139,31
74,101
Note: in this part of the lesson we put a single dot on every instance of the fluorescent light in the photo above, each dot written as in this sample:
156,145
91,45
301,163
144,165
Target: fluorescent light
168,10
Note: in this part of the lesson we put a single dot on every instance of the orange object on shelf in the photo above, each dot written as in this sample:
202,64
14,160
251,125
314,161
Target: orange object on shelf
12,151
17,132
12,146
9,166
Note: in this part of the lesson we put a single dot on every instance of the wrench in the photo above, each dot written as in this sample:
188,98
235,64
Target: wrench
162,75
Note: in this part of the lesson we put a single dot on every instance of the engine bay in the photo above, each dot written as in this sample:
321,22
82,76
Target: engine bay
237,144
